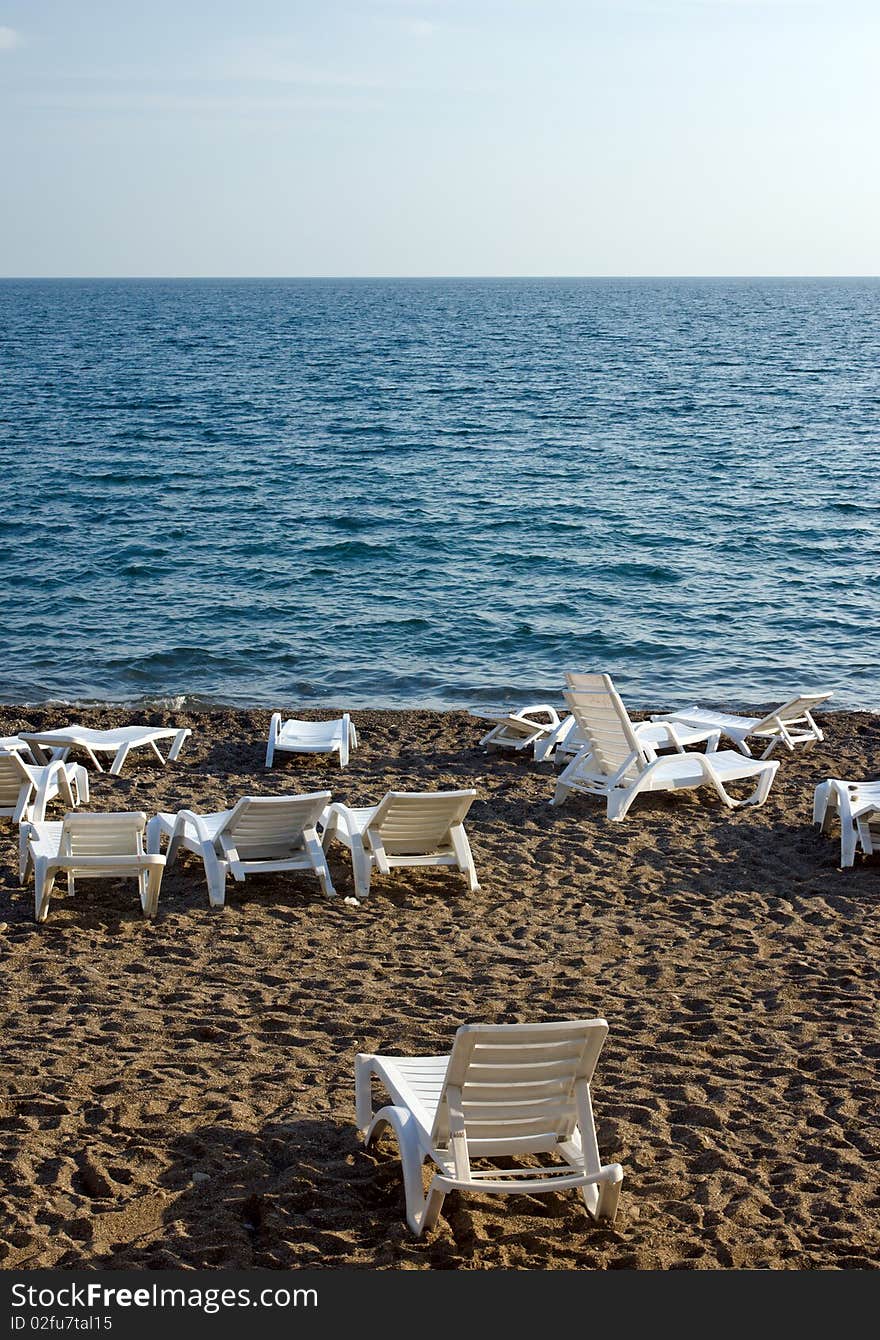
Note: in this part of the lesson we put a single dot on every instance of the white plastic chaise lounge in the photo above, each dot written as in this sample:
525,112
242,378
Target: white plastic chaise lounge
89,846
504,1090
259,835
791,724
25,789
858,806
117,741
406,828
522,729
311,737
618,765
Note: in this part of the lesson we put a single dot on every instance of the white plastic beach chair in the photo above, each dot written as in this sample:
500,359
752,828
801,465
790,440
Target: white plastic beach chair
857,804
618,765
504,1090
259,835
522,729
791,724
26,789
89,846
311,737
406,828
117,741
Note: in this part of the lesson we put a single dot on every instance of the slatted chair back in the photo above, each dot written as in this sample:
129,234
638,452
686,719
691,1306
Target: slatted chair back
260,827
517,1088
411,823
604,723
794,712
13,776
85,837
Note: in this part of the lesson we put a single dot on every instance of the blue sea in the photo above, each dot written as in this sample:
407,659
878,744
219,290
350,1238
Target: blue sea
438,492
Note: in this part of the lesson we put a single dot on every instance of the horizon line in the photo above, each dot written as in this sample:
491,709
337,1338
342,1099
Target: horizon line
366,278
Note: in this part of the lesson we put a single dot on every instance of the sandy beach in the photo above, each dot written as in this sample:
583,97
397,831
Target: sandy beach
179,1093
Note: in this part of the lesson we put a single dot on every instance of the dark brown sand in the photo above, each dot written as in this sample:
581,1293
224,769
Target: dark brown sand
180,1092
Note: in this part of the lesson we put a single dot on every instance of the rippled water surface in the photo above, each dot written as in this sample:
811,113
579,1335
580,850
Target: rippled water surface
438,492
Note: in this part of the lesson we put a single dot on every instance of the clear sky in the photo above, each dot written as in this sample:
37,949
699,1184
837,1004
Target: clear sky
439,137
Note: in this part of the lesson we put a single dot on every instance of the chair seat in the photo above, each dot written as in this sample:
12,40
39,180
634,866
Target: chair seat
415,1082
305,736
697,716
681,770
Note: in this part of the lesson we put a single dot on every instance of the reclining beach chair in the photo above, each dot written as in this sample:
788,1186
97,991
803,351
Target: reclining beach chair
618,765
857,804
522,729
25,789
505,1090
117,741
89,846
311,737
259,835
791,724
406,828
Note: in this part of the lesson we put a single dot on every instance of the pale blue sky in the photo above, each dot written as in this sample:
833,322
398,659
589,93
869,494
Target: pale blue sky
439,137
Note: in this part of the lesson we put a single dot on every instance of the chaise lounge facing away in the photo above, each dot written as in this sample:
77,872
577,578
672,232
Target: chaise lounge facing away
89,846
259,835
406,828
857,804
505,1090
618,765
26,789
528,727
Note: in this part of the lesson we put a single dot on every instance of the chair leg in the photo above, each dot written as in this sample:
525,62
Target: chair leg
761,791
153,882
121,755
274,727
319,862
361,867
177,743
601,1199
24,853
822,803
619,803
462,849
43,882
849,837
421,1211
215,873
363,1098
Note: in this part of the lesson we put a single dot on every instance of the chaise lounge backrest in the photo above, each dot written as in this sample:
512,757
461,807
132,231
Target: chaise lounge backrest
604,722
412,822
100,837
13,776
259,826
515,1086
795,710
